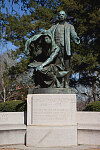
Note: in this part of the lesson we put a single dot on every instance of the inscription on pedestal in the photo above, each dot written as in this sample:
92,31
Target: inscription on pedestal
52,109
3,117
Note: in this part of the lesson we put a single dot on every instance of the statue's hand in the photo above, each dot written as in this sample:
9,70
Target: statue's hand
39,68
77,40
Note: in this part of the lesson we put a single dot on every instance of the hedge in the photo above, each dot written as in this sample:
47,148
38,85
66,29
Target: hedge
13,106
95,106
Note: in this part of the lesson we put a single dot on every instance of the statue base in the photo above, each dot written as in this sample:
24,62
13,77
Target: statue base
51,119
51,91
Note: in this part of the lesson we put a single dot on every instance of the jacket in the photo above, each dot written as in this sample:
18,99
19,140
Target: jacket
69,33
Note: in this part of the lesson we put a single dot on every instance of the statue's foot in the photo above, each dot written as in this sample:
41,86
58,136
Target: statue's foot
58,83
37,87
67,86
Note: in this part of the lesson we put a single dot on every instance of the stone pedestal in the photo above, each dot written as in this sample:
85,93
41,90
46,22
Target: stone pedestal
51,120
66,90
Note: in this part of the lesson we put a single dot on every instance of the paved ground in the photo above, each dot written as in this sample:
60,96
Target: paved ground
22,147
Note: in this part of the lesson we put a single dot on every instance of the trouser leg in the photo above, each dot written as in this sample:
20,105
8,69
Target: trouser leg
67,68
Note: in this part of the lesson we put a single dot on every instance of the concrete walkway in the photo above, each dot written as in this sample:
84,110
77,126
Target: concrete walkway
23,147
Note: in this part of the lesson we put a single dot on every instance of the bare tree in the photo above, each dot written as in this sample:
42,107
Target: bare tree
5,63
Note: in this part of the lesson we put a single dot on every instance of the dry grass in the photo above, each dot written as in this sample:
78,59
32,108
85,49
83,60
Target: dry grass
73,149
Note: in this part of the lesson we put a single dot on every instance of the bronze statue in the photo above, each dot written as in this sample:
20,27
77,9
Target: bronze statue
63,33
50,54
48,69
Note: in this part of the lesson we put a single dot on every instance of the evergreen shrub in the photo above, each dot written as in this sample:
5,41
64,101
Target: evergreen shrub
95,106
13,106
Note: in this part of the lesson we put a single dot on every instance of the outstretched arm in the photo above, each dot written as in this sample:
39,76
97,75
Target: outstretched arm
74,36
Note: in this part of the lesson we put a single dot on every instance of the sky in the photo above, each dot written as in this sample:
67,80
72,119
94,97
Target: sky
4,47
18,7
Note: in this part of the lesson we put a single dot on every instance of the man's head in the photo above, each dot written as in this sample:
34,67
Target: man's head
62,15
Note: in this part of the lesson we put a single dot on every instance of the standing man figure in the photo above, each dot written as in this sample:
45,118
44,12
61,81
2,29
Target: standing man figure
63,33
